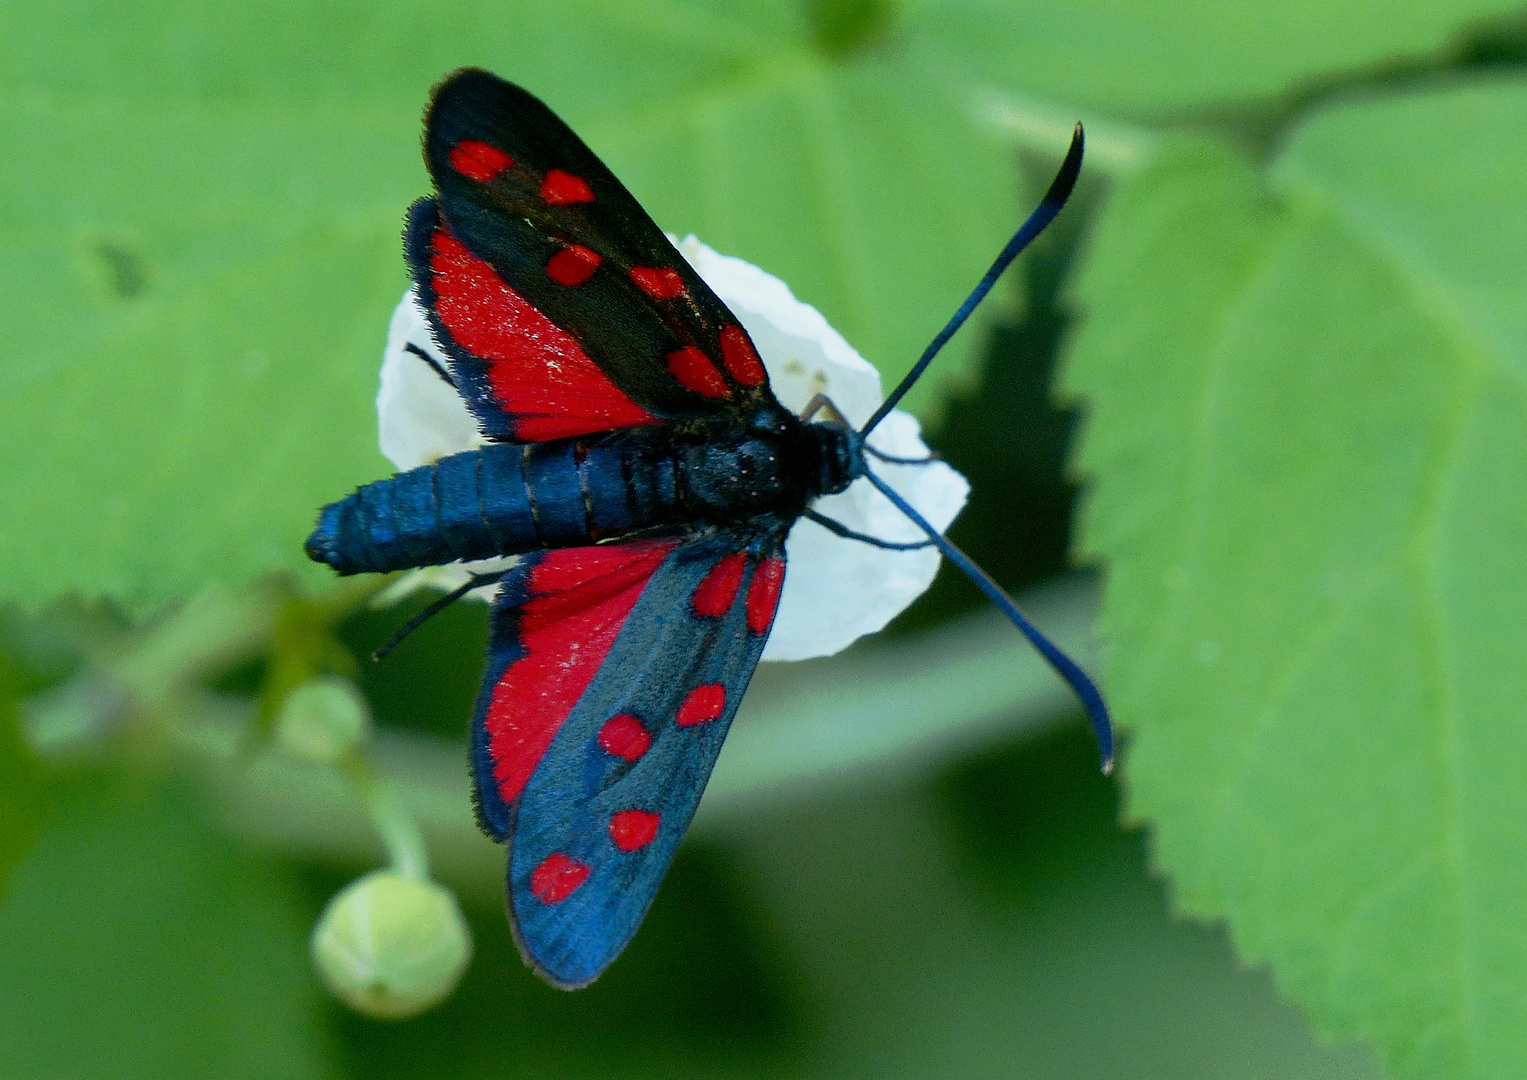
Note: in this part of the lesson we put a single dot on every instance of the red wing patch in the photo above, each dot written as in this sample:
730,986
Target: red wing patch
740,357
763,594
579,598
625,736
573,265
633,830
702,705
660,283
557,878
539,374
695,372
563,188
479,161
714,595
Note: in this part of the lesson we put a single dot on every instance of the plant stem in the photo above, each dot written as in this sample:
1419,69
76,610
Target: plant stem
1113,147
394,821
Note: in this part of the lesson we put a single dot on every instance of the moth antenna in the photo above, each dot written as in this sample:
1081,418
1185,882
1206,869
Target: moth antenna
476,581
1085,689
1044,213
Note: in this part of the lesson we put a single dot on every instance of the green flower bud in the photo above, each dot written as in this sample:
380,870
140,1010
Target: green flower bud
323,721
391,946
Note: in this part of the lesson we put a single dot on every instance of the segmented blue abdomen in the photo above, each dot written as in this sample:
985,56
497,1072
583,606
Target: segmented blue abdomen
503,499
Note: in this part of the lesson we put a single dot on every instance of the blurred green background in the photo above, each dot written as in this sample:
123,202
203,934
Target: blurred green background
1277,343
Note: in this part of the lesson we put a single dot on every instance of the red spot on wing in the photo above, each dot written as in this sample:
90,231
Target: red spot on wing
633,829
694,370
540,375
658,282
479,161
573,265
579,600
703,705
561,188
740,357
763,593
713,597
557,878
625,737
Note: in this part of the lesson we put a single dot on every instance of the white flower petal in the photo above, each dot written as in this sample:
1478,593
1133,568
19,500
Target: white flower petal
836,590
804,355
447,578
420,417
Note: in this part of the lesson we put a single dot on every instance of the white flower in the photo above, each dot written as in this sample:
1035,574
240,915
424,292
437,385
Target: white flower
421,419
836,590
420,416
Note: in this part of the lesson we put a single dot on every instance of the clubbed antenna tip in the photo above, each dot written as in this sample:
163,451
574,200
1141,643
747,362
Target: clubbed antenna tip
1044,213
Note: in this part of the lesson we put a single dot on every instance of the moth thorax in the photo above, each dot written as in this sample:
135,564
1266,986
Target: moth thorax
734,477
834,458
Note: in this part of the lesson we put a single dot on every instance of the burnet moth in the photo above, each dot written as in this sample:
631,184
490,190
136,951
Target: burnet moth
639,464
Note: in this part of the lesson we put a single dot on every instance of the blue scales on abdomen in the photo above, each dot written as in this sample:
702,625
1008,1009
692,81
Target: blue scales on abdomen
502,499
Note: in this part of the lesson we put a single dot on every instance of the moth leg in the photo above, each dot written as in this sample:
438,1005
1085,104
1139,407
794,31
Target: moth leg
864,538
476,581
433,363
823,403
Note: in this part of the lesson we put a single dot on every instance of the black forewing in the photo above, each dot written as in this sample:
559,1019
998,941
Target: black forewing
505,221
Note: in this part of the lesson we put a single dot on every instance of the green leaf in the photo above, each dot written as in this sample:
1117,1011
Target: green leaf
200,248
1308,401
200,238
20,777
139,944
1143,60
